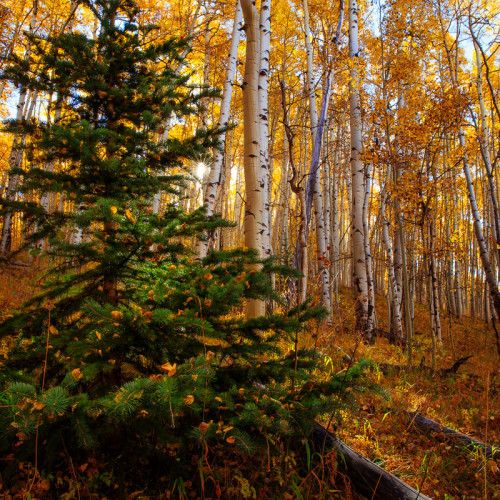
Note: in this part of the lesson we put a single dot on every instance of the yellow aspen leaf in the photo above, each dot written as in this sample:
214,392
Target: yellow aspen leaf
77,374
210,355
139,394
207,302
188,400
208,276
230,439
38,406
53,330
241,391
142,413
116,315
170,369
195,376
218,399
227,429
129,216
114,210
98,335
151,295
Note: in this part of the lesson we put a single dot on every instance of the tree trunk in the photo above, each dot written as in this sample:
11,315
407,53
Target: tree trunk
265,41
17,151
215,174
357,174
395,314
254,206
478,229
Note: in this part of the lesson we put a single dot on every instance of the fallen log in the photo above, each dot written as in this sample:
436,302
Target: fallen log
367,478
13,263
468,442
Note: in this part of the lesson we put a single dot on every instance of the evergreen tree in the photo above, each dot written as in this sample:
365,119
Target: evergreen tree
133,340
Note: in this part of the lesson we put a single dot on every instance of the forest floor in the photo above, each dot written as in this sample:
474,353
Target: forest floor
378,428
468,401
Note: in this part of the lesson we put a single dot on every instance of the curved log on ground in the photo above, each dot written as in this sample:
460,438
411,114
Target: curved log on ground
367,478
472,444
13,263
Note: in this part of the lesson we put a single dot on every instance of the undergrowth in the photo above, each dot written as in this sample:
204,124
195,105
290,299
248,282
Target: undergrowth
467,401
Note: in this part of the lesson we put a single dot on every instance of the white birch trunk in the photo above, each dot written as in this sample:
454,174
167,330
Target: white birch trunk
357,176
265,42
368,256
254,206
436,318
17,151
485,150
214,176
335,227
478,230
189,30
396,320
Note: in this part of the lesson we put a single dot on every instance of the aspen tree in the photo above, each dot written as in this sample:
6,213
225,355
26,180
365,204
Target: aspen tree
214,176
263,84
363,322
300,258
368,256
477,224
17,151
396,302
254,188
484,147
46,196
189,28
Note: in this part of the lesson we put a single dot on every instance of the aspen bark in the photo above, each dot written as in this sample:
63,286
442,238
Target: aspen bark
395,315
189,30
215,174
335,228
478,230
485,151
357,176
263,84
254,206
17,151
300,257
314,195
368,255
433,292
